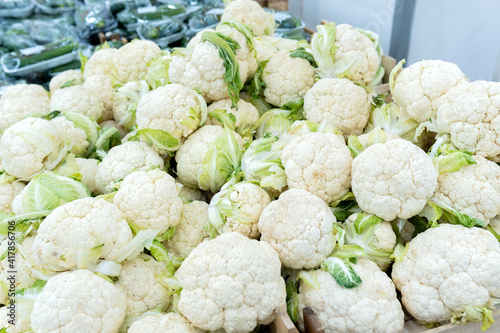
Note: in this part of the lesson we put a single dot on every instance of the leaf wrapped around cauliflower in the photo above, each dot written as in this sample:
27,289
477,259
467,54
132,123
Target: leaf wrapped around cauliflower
125,101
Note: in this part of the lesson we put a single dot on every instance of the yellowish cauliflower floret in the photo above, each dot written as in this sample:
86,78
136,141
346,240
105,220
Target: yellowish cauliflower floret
77,99
299,226
287,79
246,114
393,179
101,86
340,103
371,307
231,282
163,323
57,81
78,301
132,59
123,160
80,225
189,233
21,325
189,194
101,62
138,281
149,199
319,163
420,89
251,14
74,135
88,169
21,100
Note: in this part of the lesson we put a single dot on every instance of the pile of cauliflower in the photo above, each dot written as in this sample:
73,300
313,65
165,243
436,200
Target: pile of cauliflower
200,190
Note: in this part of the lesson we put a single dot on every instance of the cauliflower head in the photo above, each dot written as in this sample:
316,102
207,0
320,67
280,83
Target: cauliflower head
74,75
231,282
9,188
77,99
448,272
88,169
163,323
149,199
76,135
251,14
340,103
473,190
131,60
246,114
21,325
371,307
30,146
420,89
78,301
470,113
80,226
319,163
21,100
123,160
173,108
299,226
102,86
393,179
101,62
189,194
287,79
189,233
138,281
197,38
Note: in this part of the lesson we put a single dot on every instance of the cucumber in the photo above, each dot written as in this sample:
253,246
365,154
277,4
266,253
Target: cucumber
52,50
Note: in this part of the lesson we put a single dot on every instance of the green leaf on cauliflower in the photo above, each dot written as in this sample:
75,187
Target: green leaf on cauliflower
302,53
292,299
243,29
342,272
157,74
257,84
453,216
159,139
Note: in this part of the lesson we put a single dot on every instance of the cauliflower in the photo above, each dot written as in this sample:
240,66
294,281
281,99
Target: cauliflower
131,60
342,51
189,194
77,99
78,301
208,157
139,281
340,103
121,161
125,101
251,14
319,163
21,325
88,169
101,62
231,282
449,272
163,323
113,124
470,112
189,232
237,207
74,76
101,86
173,108
299,226
21,100
371,307
197,38
393,179
81,226
287,79
75,135
420,89
267,46
246,114
9,188
473,190
149,199
30,146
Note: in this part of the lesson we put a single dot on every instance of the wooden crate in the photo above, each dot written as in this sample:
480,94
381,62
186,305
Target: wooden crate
277,4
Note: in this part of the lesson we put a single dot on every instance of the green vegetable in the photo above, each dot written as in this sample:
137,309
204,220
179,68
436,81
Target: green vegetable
342,272
49,51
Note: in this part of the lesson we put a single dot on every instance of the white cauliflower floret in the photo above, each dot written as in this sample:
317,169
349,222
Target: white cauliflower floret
246,114
448,271
21,100
77,99
78,301
132,59
189,233
299,226
470,112
393,179
123,160
75,135
420,89
138,281
30,146
21,325
100,63
371,307
189,194
173,108
319,163
473,190
88,169
340,103
162,323
149,199
102,86
231,282
74,75
251,14
8,191
287,79
80,225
